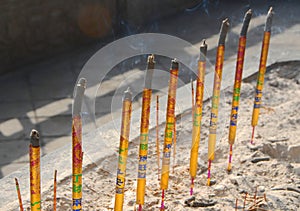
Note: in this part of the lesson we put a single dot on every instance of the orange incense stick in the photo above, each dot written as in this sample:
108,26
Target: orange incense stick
216,97
144,130
123,150
169,129
197,117
77,154
261,72
237,84
157,136
19,195
54,190
35,171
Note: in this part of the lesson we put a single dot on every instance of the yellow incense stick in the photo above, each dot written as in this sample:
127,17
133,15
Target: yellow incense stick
197,114
144,130
123,151
237,84
216,96
261,72
35,171
77,154
169,129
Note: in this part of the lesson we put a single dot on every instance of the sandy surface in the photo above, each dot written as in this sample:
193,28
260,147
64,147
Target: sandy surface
276,139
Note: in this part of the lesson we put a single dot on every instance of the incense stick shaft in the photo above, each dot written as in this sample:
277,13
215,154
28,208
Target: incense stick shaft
252,136
54,190
123,151
144,130
260,78
140,207
197,117
169,129
216,95
162,207
208,173
19,195
77,163
230,159
143,149
262,70
77,154
237,90
215,103
192,187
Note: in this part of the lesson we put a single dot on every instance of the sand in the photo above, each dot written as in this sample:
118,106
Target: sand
275,181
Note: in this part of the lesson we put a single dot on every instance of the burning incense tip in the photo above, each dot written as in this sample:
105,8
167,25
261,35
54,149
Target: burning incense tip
269,20
35,138
223,32
175,64
246,22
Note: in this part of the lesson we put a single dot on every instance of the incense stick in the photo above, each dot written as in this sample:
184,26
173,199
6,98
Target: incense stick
197,117
237,85
144,130
35,171
77,154
216,95
19,195
54,190
169,129
123,150
261,72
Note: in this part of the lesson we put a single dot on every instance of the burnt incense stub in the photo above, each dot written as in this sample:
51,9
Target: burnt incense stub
223,32
246,22
203,51
269,20
35,138
175,64
78,96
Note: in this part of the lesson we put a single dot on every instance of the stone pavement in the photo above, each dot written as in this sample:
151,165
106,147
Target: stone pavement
40,95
